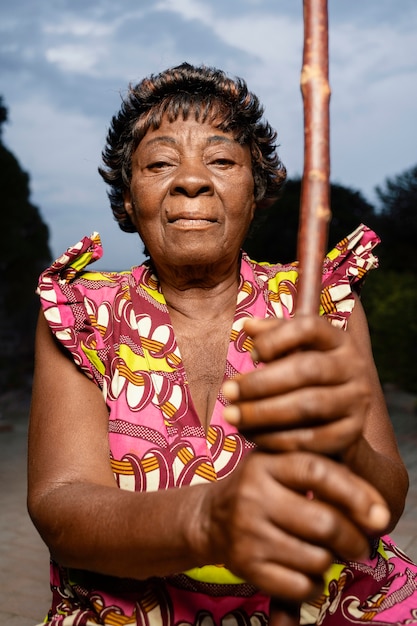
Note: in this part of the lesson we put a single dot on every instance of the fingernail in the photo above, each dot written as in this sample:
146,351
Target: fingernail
231,390
379,516
254,354
231,414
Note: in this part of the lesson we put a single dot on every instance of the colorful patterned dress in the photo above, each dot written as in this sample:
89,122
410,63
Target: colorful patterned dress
118,330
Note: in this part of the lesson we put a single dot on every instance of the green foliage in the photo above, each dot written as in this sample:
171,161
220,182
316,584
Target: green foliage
390,302
398,222
390,294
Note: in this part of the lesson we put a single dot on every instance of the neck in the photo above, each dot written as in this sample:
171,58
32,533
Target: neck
200,297
198,276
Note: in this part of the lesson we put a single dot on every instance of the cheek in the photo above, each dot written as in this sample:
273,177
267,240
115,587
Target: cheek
145,202
240,183
243,199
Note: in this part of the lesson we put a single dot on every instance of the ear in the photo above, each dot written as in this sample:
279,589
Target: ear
128,205
254,207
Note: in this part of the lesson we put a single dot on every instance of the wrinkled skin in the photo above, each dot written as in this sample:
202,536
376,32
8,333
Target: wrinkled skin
268,531
314,393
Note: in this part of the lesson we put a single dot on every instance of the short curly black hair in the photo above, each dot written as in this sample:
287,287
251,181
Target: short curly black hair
208,94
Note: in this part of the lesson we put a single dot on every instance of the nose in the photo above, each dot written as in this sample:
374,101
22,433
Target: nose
192,178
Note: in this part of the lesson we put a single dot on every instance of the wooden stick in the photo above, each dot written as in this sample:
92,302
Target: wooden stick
315,212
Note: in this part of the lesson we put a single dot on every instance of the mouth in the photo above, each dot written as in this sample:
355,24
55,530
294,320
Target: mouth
191,223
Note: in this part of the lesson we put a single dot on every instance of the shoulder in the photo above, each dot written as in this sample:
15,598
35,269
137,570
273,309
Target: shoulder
68,281
344,269
352,257
83,307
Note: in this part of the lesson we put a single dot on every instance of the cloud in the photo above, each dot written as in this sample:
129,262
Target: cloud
64,66
73,58
373,78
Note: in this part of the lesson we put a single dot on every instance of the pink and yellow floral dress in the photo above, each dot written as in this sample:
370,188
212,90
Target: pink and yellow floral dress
118,330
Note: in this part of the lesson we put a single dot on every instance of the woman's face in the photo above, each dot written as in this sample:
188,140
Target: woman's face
191,196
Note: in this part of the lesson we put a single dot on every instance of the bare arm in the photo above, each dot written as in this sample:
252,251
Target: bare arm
375,456
250,521
84,518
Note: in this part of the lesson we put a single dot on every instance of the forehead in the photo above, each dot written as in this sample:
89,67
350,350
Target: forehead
213,111
188,130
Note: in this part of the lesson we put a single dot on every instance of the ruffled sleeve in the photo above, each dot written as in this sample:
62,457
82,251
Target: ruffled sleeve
344,269
76,305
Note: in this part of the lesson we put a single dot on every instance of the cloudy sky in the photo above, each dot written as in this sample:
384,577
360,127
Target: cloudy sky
64,65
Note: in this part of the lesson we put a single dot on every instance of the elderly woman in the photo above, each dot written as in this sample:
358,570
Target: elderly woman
194,452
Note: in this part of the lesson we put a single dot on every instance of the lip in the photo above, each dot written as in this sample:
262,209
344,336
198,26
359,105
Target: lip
187,222
191,224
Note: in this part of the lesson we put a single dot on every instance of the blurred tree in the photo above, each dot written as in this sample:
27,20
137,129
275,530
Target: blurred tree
274,235
390,301
390,295
3,114
398,222
24,253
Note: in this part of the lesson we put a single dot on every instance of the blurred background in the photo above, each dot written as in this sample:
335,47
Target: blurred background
64,68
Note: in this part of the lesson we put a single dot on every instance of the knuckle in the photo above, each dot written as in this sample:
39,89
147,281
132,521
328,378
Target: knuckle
267,343
312,402
309,326
321,472
366,389
308,368
314,468
311,323
360,392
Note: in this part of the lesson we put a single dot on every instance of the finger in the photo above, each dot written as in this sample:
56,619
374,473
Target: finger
332,438
282,582
334,483
304,407
322,526
305,532
287,541
301,369
274,338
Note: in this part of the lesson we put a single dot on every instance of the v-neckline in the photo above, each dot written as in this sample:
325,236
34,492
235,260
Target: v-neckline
154,305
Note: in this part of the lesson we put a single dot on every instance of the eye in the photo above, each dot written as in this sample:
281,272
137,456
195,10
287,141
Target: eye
222,162
157,166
